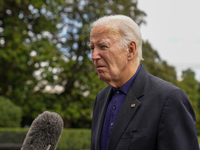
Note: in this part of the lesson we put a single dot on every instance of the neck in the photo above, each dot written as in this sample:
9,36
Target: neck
125,76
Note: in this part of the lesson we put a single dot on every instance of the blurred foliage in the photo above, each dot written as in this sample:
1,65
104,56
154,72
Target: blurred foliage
191,86
156,66
74,139
45,61
10,114
27,31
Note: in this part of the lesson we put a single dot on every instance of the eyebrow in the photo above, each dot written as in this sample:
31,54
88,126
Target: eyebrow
100,43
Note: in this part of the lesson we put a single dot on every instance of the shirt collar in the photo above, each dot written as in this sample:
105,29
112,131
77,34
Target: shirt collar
127,85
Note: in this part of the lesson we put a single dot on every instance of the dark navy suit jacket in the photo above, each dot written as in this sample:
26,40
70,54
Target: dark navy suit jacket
156,115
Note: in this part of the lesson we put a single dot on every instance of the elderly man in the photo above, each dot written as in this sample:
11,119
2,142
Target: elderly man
136,111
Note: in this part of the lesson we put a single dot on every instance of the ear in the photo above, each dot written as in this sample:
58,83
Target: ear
132,50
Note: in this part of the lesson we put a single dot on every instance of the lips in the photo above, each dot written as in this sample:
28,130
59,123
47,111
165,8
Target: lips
100,67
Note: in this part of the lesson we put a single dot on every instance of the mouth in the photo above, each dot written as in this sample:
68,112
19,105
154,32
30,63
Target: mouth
98,67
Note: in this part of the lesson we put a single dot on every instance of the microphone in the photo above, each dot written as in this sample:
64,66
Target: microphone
44,133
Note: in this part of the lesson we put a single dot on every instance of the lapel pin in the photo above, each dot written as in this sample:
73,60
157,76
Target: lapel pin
132,105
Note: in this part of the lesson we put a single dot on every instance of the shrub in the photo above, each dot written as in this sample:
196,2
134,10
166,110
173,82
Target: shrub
198,131
10,114
74,139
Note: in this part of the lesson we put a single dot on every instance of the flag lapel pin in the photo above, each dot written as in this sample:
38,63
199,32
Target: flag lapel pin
132,105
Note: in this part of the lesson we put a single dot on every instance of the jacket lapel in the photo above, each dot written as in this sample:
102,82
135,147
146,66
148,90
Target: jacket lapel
102,109
129,107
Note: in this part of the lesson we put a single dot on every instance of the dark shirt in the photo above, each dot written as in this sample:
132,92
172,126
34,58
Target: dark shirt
114,106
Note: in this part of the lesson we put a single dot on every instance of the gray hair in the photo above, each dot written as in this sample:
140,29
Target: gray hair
129,30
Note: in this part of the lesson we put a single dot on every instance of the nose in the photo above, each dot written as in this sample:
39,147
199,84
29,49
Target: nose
95,54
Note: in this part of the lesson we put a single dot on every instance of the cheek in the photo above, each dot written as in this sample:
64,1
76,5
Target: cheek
94,62
120,64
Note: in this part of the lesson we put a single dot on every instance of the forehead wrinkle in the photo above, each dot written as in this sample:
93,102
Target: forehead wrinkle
113,27
112,31
107,29
109,32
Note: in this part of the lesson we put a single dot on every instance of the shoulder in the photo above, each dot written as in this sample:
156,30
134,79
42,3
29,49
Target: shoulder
161,90
147,83
169,93
161,85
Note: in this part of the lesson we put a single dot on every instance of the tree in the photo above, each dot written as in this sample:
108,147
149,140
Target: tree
156,66
32,35
27,31
191,86
10,115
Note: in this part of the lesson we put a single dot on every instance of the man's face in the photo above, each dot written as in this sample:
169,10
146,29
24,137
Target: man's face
108,56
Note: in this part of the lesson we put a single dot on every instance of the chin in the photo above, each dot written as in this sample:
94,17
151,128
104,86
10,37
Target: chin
104,78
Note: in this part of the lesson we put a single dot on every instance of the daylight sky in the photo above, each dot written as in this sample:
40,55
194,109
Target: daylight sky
173,29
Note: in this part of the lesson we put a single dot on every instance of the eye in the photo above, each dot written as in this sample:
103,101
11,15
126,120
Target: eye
103,47
92,48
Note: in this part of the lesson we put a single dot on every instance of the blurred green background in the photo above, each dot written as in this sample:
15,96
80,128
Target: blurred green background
45,64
